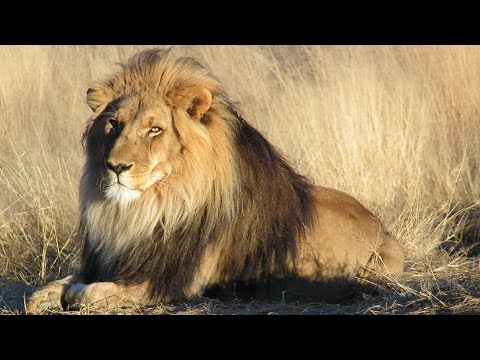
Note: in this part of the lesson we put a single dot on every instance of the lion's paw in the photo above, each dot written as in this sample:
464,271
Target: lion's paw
100,295
50,297
74,296
47,298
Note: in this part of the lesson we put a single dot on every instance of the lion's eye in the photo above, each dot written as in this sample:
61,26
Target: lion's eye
112,126
154,131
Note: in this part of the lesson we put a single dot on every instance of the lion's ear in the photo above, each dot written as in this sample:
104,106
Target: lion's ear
195,99
97,97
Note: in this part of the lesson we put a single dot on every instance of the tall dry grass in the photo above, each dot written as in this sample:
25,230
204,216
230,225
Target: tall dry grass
395,126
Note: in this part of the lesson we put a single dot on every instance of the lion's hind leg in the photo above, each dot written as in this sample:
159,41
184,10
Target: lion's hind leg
50,296
393,257
387,262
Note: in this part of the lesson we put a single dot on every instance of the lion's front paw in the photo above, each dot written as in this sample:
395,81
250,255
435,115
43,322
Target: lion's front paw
97,296
47,298
93,296
75,296
50,297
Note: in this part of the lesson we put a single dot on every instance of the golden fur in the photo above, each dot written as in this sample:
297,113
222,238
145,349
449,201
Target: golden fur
180,195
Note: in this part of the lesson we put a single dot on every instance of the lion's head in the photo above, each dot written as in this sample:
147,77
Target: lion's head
160,149
146,119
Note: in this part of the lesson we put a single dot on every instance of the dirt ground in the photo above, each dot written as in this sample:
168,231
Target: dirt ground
447,294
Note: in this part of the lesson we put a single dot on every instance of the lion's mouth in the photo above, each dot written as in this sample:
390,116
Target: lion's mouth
125,186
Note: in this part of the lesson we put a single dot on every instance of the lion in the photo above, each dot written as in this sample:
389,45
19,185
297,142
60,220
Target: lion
180,196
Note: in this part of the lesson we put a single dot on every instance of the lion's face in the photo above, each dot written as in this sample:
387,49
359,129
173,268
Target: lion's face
134,142
140,145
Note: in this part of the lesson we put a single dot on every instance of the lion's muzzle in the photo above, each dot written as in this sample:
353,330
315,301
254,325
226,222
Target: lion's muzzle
118,168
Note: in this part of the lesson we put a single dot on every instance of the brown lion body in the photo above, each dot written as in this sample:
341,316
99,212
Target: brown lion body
180,195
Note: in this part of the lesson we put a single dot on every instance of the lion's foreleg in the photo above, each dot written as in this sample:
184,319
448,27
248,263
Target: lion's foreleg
106,295
50,296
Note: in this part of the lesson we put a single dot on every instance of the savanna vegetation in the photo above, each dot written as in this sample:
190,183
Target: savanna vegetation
395,126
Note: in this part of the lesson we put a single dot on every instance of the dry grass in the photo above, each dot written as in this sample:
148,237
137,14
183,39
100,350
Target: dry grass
395,126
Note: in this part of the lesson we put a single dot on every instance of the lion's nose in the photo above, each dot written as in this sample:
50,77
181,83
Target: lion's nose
118,168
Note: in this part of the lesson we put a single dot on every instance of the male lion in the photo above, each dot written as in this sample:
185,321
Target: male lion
180,194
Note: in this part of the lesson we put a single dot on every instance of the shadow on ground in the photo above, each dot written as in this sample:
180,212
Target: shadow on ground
453,289
13,294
